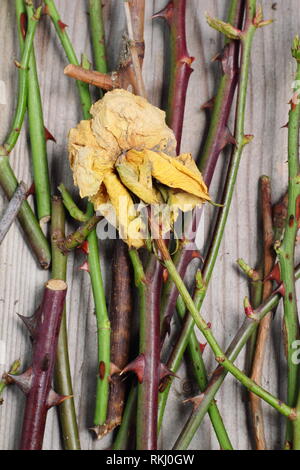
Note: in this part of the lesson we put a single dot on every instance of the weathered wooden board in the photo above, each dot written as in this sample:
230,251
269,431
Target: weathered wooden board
21,281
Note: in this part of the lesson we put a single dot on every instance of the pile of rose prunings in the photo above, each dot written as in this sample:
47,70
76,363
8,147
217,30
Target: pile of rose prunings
126,161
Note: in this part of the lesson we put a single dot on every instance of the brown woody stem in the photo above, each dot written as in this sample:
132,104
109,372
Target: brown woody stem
92,77
264,326
120,318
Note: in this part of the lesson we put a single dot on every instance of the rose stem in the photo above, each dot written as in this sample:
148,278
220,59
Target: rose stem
92,77
123,435
97,35
120,308
192,344
12,210
285,249
103,324
148,282
256,411
62,373
215,142
241,338
44,328
120,317
125,76
149,350
256,293
75,239
70,205
228,83
37,137
136,65
180,66
207,333
60,27
174,13
8,180
14,369
128,77
224,98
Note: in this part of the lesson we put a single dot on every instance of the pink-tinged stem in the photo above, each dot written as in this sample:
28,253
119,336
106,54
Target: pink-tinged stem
218,137
181,69
44,328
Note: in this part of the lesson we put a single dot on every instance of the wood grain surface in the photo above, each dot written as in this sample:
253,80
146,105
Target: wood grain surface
21,281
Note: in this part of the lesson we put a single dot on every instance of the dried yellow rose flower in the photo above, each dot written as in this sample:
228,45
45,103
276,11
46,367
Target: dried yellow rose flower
127,149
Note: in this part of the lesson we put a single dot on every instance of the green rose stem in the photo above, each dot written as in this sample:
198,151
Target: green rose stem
218,132
285,249
103,324
14,369
241,140
193,347
256,293
97,35
220,357
204,400
120,302
38,139
70,205
218,137
8,180
174,14
75,239
123,437
62,373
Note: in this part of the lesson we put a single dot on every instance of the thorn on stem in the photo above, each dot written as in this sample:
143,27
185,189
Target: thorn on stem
48,135
166,372
196,401
62,25
137,366
248,309
54,399
209,104
274,275
85,267
23,381
84,247
166,13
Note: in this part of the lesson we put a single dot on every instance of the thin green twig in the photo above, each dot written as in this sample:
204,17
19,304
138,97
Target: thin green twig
63,379
286,250
38,139
8,180
97,35
211,258
241,338
70,205
103,325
